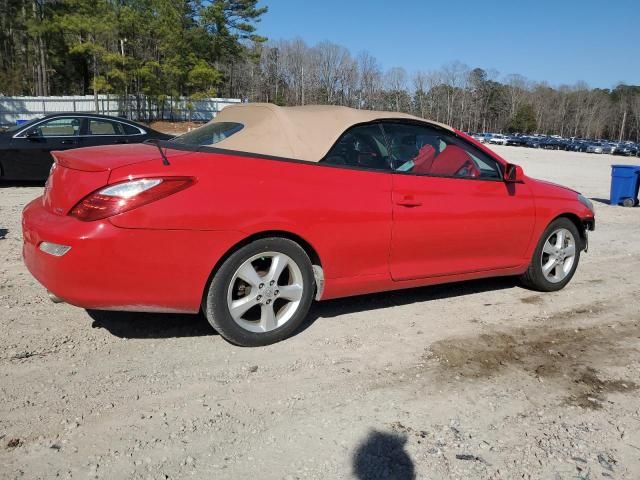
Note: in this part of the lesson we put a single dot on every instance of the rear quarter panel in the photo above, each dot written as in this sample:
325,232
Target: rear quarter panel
344,214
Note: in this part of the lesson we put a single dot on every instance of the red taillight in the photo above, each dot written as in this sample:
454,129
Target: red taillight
120,197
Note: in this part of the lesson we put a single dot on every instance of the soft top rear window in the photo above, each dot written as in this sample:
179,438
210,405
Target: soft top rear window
209,134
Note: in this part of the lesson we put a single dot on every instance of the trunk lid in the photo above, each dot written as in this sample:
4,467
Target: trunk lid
109,157
65,187
78,172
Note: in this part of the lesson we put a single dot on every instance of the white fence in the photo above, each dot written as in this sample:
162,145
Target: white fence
13,109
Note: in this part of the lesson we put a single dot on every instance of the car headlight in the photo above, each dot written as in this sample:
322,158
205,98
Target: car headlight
585,201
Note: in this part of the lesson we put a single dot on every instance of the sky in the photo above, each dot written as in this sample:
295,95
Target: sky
561,41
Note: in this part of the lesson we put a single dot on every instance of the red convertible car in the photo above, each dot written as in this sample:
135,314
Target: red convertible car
264,209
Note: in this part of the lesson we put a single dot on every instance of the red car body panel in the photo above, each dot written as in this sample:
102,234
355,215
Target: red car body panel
466,236
113,268
349,227
160,256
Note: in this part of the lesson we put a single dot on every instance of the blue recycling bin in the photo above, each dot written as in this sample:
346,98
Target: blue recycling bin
21,122
625,180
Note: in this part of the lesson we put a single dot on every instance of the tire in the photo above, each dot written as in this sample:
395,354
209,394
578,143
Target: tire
255,279
547,253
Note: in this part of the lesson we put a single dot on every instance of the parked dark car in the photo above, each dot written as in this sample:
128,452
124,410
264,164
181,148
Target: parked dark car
535,142
548,142
516,140
25,149
552,143
627,149
576,146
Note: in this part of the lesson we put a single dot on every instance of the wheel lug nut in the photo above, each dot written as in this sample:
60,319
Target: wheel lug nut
259,297
276,292
268,302
272,282
261,285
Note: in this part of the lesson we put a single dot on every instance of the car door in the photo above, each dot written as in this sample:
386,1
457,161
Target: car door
29,154
101,131
452,211
356,199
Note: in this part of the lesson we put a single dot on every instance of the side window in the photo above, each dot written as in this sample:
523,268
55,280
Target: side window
104,127
130,129
361,146
59,127
423,150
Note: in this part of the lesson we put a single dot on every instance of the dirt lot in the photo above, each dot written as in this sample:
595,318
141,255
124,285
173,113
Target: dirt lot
475,380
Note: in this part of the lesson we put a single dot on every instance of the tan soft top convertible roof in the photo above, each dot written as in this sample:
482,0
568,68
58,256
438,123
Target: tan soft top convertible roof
304,133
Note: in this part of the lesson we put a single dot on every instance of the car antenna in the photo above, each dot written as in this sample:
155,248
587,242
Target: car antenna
156,142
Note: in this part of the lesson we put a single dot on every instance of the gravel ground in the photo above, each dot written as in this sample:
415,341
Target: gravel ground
474,380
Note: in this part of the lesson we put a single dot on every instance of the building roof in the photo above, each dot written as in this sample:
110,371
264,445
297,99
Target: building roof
304,133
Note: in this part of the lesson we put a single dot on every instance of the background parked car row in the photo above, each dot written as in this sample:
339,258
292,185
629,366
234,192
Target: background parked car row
555,142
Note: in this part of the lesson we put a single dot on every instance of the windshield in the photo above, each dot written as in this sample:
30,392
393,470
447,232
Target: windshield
209,134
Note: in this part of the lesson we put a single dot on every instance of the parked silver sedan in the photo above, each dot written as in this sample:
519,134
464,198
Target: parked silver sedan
595,147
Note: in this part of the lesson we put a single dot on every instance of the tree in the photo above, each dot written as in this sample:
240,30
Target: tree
330,59
396,80
370,80
516,86
148,52
524,120
230,22
203,78
88,28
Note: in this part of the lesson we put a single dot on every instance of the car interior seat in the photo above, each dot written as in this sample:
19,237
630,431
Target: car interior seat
453,161
424,160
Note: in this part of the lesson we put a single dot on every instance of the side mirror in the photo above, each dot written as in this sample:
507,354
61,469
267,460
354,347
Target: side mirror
513,173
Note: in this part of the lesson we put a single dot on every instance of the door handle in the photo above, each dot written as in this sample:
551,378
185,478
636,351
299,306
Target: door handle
67,142
408,202
119,140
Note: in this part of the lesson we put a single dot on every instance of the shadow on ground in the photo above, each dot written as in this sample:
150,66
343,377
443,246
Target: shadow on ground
166,325
150,325
382,455
601,200
375,301
21,183
3,233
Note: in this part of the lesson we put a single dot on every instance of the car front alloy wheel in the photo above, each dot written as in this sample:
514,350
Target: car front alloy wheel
556,257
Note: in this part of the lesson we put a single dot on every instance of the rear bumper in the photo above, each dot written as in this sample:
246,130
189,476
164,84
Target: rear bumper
113,268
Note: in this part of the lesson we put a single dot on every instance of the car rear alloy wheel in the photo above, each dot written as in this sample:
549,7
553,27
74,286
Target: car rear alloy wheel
261,293
556,257
265,292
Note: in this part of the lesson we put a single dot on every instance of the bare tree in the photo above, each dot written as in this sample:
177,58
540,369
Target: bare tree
516,86
370,80
396,80
292,73
420,87
330,58
453,77
296,54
